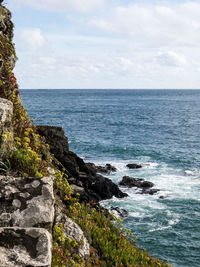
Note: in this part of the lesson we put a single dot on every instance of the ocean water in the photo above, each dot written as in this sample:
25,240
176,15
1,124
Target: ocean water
158,128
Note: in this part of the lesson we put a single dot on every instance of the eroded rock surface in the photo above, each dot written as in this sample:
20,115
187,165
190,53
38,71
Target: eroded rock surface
26,202
6,112
71,230
25,247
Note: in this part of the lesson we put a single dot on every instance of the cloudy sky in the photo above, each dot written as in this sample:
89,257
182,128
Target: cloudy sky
107,43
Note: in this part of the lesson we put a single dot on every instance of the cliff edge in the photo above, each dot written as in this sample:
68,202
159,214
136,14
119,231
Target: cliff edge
43,220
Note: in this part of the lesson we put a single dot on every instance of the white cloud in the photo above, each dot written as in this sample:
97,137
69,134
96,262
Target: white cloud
171,59
172,24
33,38
61,5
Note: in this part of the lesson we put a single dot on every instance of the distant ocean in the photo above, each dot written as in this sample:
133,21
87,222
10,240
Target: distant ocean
159,128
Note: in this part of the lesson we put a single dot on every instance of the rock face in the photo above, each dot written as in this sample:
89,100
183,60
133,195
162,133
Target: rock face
71,230
24,247
83,176
26,202
26,215
6,112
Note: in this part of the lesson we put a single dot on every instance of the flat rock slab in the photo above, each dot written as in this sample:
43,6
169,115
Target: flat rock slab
25,247
26,202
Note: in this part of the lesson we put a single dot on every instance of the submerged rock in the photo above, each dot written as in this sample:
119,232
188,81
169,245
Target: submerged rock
121,212
134,166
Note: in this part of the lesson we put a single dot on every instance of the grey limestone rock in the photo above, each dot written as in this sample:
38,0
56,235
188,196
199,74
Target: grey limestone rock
26,202
22,247
6,112
73,231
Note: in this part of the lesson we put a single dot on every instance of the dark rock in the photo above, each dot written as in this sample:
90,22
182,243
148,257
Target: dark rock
108,168
96,187
134,166
146,184
139,183
135,182
102,186
121,212
150,192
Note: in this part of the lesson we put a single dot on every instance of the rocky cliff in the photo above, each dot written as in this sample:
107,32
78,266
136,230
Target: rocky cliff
49,211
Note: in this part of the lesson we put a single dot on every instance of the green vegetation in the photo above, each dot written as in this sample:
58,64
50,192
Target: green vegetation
111,244
29,156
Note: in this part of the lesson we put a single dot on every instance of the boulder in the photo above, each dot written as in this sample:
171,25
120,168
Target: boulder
23,247
134,166
71,230
139,183
135,182
26,202
103,187
6,112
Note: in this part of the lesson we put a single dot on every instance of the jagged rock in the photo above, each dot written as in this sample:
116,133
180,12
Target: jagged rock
107,169
96,187
135,182
26,202
103,187
134,166
55,138
23,247
149,191
71,230
120,212
6,112
139,183
6,25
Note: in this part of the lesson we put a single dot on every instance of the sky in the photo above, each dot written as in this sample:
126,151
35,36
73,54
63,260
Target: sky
116,44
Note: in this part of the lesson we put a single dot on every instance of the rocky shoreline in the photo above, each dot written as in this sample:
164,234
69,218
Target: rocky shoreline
86,179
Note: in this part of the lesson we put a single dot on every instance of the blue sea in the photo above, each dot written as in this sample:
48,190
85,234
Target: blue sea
158,128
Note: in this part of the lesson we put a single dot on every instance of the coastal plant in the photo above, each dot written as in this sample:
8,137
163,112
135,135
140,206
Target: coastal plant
29,155
111,244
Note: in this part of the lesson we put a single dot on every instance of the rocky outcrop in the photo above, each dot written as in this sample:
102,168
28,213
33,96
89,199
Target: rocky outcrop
107,169
6,112
26,202
135,182
134,166
26,219
139,183
82,176
119,212
71,230
23,247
